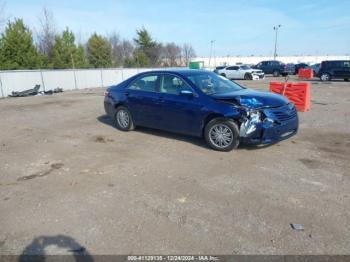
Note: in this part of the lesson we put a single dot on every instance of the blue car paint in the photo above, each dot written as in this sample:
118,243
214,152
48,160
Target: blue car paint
189,114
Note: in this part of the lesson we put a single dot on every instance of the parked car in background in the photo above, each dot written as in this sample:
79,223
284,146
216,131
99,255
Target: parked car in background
299,66
201,103
216,70
241,72
336,69
315,68
276,68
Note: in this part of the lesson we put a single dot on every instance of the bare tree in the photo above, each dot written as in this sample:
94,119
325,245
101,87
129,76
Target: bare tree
3,16
47,32
121,49
127,49
114,40
172,54
188,53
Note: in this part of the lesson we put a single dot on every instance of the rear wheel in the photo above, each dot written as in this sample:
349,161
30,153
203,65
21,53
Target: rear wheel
325,77
222,135
276,73
224,75
346,79
123,120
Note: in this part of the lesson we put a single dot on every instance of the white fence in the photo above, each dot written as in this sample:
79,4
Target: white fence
20,80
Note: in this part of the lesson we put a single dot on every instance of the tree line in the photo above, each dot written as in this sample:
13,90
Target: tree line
52,50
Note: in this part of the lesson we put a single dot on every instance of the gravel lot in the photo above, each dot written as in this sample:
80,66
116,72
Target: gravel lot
67,176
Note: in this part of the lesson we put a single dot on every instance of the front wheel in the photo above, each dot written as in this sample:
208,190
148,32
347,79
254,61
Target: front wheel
325,77
248,76
346,79
222,135
123,120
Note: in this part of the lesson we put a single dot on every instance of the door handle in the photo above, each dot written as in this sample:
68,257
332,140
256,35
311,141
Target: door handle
161,99
126,93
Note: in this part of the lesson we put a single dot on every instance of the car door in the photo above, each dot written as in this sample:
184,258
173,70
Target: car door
264,66
341,69
240,73
346,69
179,112
232,72
143,100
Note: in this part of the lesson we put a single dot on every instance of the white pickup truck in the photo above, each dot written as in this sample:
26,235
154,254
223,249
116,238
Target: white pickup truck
240,72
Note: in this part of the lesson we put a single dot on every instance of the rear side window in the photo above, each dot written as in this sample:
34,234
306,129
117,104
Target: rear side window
336,64
232,68
276,63
146,83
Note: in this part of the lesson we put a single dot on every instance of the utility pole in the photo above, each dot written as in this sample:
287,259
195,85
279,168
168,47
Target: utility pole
276,35
75,77
211,50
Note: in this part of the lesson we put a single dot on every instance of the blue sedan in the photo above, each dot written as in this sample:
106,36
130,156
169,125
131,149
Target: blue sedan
201,103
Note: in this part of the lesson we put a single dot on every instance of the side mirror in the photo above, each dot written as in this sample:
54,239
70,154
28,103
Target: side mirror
186,92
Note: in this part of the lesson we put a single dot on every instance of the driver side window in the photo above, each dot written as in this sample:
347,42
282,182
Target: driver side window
171,84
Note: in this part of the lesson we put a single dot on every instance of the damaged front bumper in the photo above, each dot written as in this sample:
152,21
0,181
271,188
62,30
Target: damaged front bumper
269,125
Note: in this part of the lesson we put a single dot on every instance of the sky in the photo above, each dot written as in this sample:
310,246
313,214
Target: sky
313,27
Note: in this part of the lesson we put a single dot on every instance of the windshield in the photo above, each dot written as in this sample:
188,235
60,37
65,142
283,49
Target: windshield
211,83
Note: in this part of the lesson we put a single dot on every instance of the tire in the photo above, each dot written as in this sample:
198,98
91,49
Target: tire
228,128
224,75
276,73
248,76
325,77
346,79
123,120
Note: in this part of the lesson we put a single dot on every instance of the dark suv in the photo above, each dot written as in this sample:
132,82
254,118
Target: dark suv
339,69
275,68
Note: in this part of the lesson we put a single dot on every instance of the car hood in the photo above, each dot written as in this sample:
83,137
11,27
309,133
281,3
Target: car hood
252,99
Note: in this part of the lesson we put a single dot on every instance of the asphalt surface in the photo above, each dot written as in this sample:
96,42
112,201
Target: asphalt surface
70,181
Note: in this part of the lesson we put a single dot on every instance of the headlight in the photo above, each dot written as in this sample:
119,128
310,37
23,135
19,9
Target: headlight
250,124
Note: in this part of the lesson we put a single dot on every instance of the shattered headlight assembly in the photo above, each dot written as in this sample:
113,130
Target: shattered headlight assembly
250,123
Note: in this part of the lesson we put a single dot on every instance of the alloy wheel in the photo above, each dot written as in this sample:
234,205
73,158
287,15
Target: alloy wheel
123,118
221,135
324,77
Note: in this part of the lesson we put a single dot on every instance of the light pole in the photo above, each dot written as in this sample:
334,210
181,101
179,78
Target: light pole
276,35
211,50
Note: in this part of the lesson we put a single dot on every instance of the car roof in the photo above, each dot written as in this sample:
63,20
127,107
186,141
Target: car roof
336,61
183,71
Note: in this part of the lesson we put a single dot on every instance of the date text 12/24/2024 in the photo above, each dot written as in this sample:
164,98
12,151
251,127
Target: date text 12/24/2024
173,258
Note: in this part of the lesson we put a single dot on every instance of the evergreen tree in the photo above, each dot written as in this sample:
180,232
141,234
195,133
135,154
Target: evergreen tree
148,50
17,49
99,51
65,52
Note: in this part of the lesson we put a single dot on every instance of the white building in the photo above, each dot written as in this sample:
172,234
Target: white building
232,60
